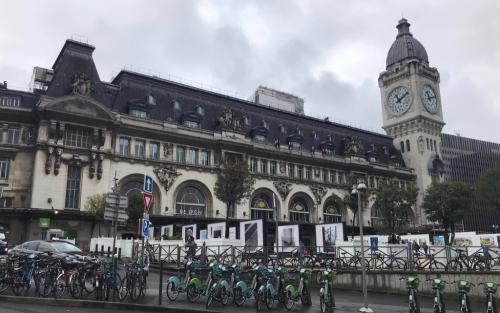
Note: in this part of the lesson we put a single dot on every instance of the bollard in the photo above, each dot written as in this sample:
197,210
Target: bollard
109,251
119,253
161,277
102,250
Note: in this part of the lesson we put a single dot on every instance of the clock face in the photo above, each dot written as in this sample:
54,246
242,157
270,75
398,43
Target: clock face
399,100
430,100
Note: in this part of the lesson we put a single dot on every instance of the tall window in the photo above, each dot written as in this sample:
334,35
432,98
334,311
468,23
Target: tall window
308,173
263,167
192,157
253,165
139,113
300,171
73,187
340,178
274,166
427,141
154,150
205,158
299,210
125,146
139,148
402,144
407,145
78,137
261,206
4,168
331,212
13,135
332,177
291,170
325,175
181,154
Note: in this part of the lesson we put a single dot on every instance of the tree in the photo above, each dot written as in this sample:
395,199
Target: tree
234,184
135,207
488,187
447,203
395,204
95,206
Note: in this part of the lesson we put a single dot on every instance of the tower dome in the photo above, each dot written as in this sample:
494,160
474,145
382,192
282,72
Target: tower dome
405,47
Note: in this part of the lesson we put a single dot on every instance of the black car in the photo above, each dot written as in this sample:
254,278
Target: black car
47,246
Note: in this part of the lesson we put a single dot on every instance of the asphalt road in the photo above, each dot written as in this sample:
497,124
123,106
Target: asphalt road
347,301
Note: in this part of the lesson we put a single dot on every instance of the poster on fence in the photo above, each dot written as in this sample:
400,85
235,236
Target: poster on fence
252,235
487,240
189,230
327,235
216,230
288,238
232,233
203,234
167,231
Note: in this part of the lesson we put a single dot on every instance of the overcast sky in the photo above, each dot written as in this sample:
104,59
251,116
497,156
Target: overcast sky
328,52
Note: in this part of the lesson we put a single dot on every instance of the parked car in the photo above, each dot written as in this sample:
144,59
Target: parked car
3,244
47,246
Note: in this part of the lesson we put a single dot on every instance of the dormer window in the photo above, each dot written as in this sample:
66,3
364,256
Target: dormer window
151,100
200,110
191,124
246,120
259,137
139,113
176,105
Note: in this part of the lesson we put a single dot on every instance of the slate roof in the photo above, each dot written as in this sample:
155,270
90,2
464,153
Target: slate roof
405,47
129,89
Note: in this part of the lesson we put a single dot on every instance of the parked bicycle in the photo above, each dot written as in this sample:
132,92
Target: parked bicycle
326,294
176,286
412,283
463,289
242,291
218,290
462,262
490,288
438,286
301,292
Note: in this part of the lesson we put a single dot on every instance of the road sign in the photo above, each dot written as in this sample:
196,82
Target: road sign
111,214
115,200
148,200
145,227
148,184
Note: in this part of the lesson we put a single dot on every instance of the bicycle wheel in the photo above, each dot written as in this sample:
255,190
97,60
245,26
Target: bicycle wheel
210,298
322,304
172,292
135,288
44,284
88,282
305,297
288,301
60,286
442,308
4,279
269,300
479,265
224,296
417,304
493,305
123,289
192,293
75,286
397,263
454,265
239,299
259,301
18,285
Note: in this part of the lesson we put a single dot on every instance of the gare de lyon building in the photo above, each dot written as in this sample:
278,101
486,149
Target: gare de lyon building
72,134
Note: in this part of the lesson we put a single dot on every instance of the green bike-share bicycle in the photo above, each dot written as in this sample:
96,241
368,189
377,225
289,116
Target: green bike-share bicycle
301,292
438,286
412,283
463,289
269,292
490,288
219,289
196,287
176,286
326,296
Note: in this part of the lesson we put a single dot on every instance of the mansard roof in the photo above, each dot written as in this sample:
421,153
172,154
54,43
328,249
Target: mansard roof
173,100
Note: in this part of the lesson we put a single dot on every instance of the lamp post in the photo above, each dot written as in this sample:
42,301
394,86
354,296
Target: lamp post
358,189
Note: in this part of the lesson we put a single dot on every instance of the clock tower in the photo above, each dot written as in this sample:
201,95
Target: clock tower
412,111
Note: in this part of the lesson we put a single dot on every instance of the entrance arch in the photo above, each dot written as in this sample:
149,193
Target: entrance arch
300,208
192,198
133,184
332,210
261,205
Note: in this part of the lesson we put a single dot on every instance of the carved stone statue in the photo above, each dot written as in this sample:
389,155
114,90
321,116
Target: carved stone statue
354,147
48,161
420,144
92,158
283,188
100,158
82,86
166,175
229,121
318,192
168,149
57,164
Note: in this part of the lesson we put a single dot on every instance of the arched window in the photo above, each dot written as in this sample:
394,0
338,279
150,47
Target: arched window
190,201
376,216
261,206
299,210
331,212
403,146
407,145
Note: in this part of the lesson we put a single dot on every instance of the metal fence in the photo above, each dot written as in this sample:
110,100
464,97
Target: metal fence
342,258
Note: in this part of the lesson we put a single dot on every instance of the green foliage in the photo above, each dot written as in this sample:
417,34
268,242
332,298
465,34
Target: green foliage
174,237
234,183
395,204
488,187
447,203
135,207
95,205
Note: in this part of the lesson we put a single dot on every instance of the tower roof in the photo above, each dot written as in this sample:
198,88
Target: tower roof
405,47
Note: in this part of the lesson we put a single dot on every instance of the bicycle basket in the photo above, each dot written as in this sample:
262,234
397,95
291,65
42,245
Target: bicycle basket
192,265
329,274
305,273
438,283
412,281
490,286
464,285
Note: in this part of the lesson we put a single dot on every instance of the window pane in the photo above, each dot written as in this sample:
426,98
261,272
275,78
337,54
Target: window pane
4,168
308,173
124,146
181,154
13,135
253,165
139,148
73,188
153,150
139,113
291,170
78,137
273,168
205,158
263,166
190,201
300,171
191,124
192,156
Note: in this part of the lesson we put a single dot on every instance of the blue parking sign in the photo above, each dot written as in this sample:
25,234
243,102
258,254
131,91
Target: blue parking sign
145,227
148,184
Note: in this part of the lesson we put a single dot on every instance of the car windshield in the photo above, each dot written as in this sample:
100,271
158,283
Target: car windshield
65,247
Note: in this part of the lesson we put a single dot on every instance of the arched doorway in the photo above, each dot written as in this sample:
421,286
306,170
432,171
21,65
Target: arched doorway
376,216
332,210
193,199
300,208
262,205
131,186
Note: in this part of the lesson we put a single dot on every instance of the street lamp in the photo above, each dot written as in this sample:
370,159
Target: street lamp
359,189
